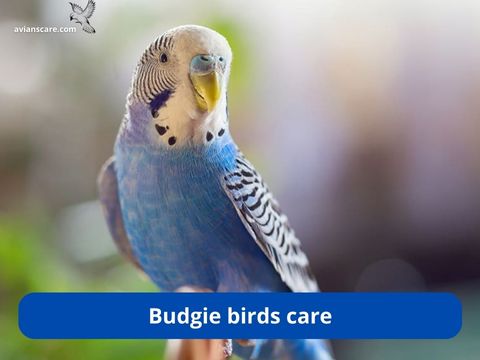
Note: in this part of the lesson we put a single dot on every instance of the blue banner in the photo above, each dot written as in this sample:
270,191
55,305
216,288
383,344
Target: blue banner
240,315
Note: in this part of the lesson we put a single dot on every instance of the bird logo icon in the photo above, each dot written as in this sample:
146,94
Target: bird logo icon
81,16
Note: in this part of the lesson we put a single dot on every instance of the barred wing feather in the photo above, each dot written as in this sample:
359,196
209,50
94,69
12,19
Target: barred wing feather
265,222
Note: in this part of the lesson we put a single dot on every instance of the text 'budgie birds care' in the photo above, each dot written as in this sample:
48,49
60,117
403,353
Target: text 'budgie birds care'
240,315
196,319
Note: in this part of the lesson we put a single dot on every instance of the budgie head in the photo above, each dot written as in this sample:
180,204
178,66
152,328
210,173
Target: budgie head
182,78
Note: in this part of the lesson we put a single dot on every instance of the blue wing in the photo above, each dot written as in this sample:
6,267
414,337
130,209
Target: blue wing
266,223
108,193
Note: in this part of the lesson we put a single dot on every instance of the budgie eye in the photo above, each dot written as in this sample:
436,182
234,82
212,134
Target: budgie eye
163,58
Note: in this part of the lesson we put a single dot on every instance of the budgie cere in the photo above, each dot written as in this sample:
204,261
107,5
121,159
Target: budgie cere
182,202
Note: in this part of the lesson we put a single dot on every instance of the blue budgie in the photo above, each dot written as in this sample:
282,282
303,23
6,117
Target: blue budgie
182,202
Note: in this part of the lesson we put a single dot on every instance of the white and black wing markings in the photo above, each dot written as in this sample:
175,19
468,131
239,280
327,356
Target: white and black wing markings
87,12
264,220
89,9
76,8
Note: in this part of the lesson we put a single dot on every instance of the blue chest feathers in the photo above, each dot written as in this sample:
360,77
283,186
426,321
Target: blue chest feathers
183,228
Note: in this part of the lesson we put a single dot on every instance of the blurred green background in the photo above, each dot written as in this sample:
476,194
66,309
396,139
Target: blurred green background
363,117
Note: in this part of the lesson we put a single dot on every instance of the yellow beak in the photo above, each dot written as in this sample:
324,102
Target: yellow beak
207,89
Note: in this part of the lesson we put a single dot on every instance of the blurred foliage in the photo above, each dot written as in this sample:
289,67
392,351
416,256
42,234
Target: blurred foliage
28,263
